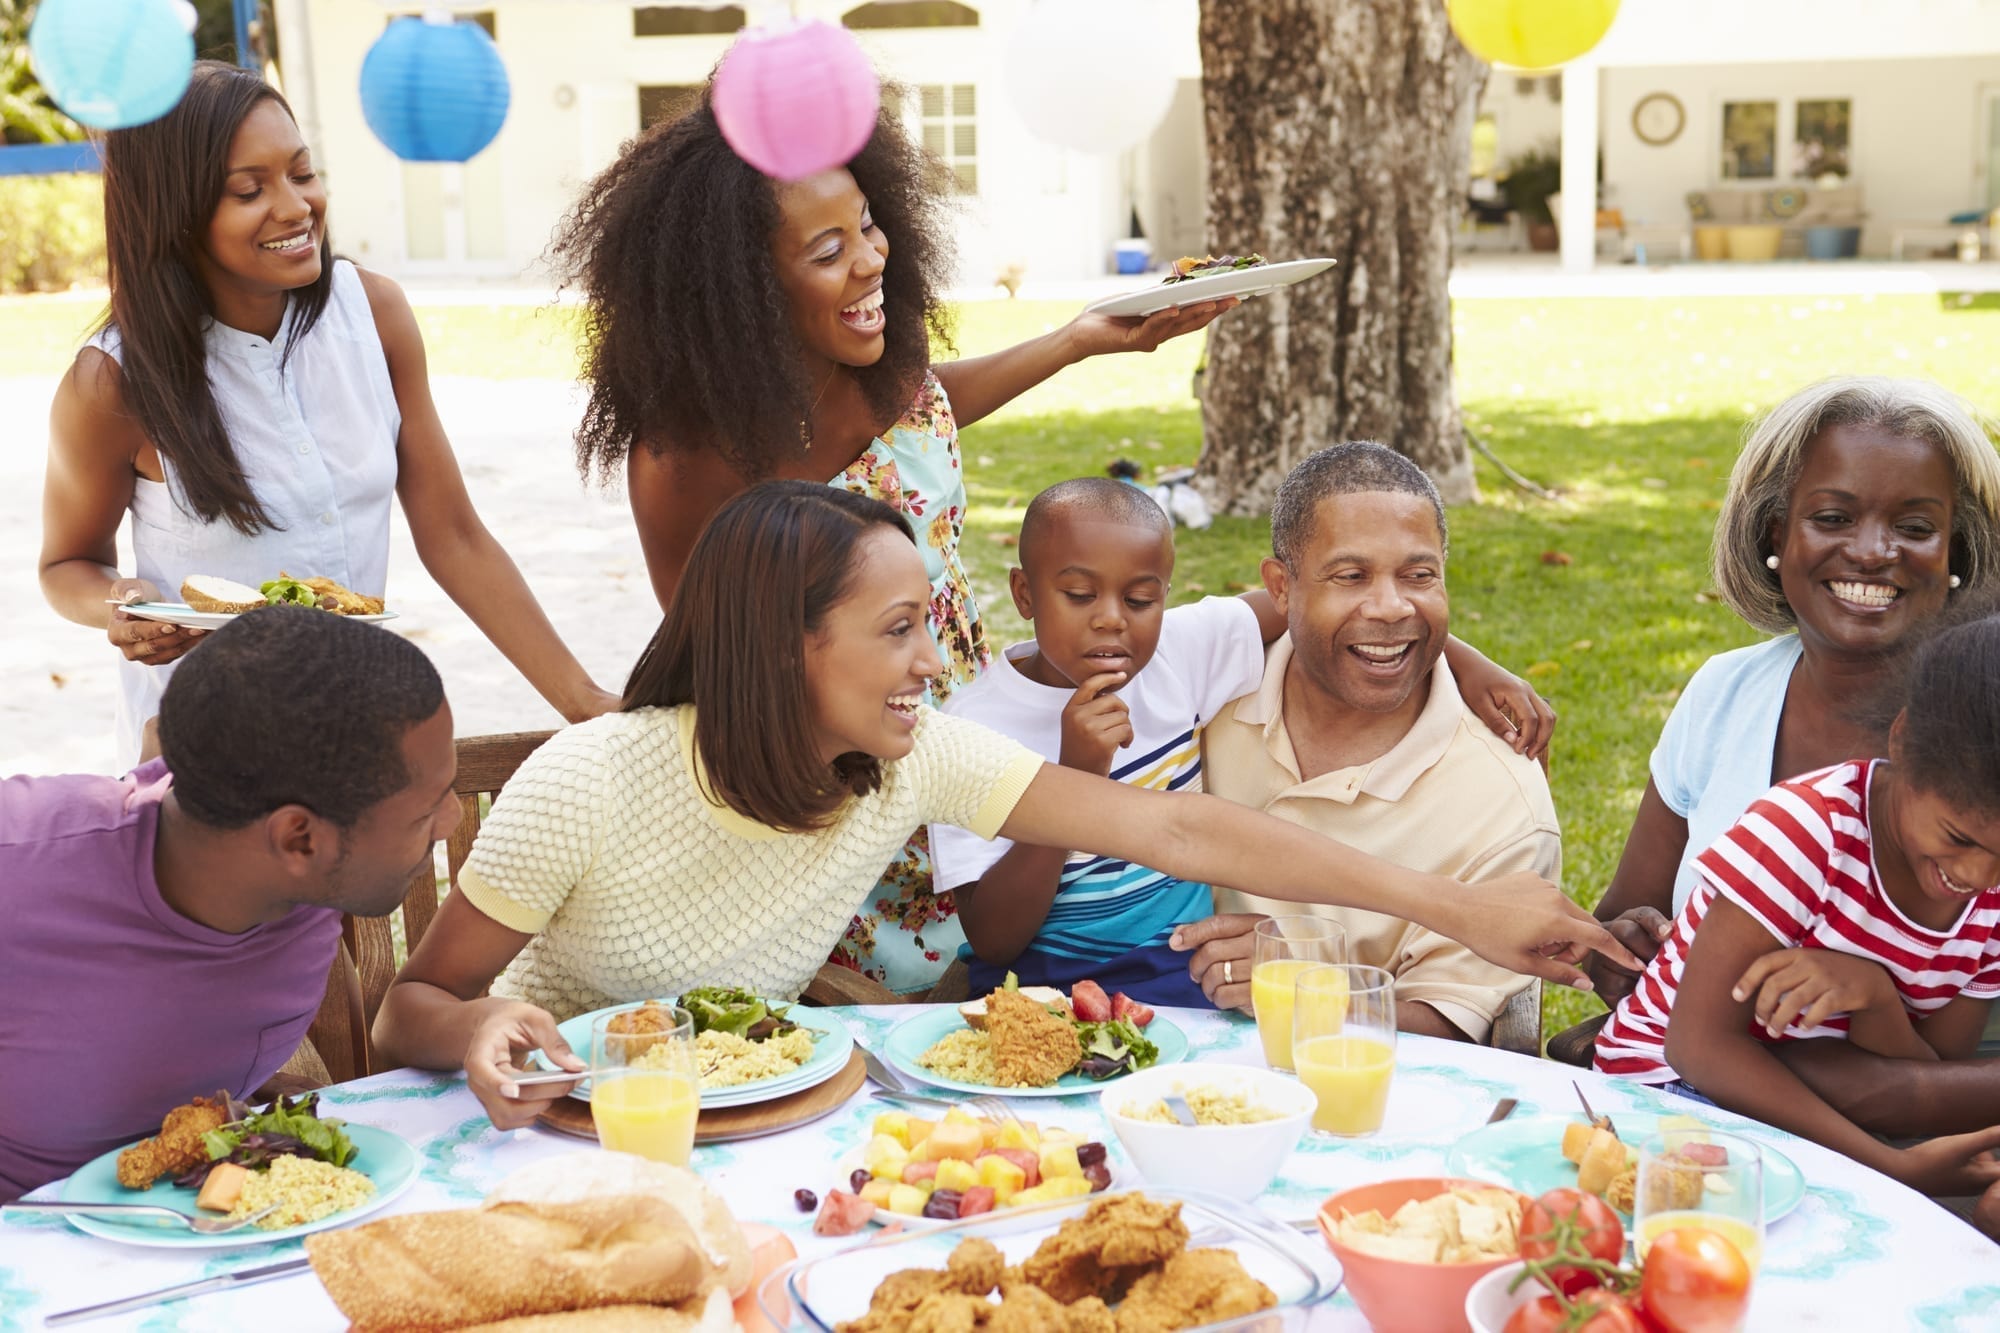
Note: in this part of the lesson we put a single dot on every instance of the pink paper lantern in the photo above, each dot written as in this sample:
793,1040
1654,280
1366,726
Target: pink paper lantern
796,100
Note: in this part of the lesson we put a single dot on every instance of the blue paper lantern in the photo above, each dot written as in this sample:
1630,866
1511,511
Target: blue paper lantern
111,64
434,89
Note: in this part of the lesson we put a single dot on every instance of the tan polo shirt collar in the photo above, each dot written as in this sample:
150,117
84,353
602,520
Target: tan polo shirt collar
1386,778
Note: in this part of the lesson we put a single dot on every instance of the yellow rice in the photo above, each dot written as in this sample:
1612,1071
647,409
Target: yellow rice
1211,1106
305,1188
965,1055
726,1060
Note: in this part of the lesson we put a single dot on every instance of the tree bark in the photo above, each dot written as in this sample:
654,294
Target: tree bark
1339,128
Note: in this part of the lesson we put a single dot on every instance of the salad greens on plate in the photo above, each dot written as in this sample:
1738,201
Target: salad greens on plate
286,1128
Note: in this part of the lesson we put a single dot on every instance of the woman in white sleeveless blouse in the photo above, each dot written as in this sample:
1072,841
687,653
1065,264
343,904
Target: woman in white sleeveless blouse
255,404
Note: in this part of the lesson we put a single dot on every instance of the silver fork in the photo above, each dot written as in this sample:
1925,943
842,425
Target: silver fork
996,1110
207,1226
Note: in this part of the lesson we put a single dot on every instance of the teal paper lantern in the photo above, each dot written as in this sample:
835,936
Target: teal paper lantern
434,89
112,64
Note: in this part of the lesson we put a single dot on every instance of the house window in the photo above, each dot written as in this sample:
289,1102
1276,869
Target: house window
948,129
1485,146
683,21
664,101
912,14
1820,142
1749,140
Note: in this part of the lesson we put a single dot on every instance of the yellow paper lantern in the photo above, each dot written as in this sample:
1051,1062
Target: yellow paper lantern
1531,34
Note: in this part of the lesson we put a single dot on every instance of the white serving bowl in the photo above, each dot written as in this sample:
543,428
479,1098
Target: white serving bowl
1489,1305
1234,1161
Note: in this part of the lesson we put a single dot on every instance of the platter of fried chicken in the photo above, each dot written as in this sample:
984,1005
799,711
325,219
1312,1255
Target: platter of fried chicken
1158,1262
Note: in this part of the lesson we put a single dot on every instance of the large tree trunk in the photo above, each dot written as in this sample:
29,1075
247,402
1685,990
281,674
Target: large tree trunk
1339,128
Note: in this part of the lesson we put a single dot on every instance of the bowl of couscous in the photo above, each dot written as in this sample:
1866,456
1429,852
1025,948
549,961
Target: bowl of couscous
1247,1122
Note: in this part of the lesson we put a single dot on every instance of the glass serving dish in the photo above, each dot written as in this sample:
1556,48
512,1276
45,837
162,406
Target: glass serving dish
819,1294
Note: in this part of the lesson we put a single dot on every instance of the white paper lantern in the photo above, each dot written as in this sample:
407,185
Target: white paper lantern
1093,75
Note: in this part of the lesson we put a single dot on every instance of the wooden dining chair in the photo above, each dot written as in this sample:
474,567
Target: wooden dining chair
1518,1028
360,976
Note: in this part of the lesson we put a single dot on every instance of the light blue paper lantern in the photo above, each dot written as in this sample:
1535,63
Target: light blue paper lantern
112,64
434,89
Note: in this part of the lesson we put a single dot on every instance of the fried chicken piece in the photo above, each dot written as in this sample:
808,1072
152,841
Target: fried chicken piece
1032,1047
975,1266
1103,1252
925,1300
1091,1315
1196,1287
178,1145
346,601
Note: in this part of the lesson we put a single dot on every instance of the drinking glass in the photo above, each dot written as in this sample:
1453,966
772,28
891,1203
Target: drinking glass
645,1088
1285,947
1344,1045
1700,1178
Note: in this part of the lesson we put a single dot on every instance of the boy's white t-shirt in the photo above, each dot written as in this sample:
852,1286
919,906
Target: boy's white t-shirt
1210,653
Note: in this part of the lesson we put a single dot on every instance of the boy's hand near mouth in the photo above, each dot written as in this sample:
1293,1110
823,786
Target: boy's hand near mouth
1096,724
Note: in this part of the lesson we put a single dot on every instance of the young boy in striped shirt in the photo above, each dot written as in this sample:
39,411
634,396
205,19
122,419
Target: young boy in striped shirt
1857,903
1116,684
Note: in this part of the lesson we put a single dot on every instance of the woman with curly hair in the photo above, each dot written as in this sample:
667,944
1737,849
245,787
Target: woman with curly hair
255,404
741,329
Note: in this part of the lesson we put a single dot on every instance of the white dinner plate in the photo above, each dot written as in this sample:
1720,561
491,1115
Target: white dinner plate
180,613
1245,282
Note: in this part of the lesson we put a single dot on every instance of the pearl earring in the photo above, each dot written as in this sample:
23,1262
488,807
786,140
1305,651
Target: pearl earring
1770,562
1956,580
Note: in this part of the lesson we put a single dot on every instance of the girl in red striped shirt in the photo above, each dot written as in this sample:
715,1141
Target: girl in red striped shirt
1859,903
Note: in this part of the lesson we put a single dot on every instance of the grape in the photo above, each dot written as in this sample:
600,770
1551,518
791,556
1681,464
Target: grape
857,1179
943,1205
1099,1176
1089,1154
805,1199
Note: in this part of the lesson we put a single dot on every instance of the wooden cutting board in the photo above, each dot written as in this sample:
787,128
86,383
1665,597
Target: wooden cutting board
571,1115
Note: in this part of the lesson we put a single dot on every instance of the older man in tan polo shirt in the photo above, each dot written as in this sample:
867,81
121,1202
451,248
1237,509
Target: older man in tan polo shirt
1358,732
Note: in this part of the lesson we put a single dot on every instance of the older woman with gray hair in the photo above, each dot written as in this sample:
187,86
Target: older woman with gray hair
1858,510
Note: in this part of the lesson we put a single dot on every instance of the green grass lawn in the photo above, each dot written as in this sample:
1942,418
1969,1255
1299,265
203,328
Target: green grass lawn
1631,408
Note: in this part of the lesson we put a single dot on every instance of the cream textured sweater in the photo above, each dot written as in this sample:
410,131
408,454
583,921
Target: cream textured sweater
635,886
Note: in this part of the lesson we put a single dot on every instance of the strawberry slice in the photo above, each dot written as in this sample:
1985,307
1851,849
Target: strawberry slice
1124,1006
1089,1002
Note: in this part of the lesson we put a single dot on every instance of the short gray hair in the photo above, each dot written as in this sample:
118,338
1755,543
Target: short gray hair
1353,468
1760,485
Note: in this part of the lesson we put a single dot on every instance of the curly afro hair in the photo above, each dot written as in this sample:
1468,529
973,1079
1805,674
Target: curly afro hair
688,336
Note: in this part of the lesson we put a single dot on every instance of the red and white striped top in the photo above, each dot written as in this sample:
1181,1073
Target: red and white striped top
1801,861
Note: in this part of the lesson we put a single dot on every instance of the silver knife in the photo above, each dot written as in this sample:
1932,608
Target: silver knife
880,1072
186,1289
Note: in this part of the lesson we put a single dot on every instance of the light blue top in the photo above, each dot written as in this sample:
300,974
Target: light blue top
1714,755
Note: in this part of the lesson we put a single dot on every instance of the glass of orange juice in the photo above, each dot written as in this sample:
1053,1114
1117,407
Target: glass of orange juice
1286,946
1695,1177
1344,1044
645,1088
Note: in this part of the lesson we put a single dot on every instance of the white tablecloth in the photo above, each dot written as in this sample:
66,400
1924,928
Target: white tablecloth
1862,1252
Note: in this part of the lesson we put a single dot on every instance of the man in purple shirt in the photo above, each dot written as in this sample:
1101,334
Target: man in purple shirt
168,934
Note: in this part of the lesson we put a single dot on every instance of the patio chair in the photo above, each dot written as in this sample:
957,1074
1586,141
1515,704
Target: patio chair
1518,1028
1575,1045
366,963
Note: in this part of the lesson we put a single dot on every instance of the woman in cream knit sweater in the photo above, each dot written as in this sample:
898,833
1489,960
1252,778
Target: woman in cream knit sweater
773,754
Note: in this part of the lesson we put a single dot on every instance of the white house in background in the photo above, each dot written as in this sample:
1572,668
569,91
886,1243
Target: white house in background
588,75
1727,96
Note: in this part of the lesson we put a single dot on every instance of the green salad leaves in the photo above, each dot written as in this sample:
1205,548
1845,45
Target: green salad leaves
283,592
1113,1048
735,1010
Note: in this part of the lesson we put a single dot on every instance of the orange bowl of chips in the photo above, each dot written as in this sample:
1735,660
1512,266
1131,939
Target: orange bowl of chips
1413,1248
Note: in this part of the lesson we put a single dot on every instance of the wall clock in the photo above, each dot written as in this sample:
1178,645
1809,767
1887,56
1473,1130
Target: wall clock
1659,118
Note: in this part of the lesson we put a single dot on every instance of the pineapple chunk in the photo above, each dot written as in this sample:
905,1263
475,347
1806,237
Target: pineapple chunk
1059,1160
884,1158
894,1125
953,1174
1063,1187
908,1200
1013,1134
1002,1177
1576,1138
1602,1160
878,1191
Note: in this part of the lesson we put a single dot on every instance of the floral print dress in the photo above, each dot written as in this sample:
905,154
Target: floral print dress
905,935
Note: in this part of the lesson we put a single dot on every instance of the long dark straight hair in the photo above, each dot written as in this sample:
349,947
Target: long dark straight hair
761,578
162,182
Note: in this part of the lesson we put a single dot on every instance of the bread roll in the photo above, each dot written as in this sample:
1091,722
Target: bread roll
596,1175
205,592
457,1269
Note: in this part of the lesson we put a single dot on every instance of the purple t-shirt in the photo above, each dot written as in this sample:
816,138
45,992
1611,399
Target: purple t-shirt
114,1008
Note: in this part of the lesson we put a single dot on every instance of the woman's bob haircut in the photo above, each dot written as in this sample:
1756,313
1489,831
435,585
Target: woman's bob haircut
761,579
1760,485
